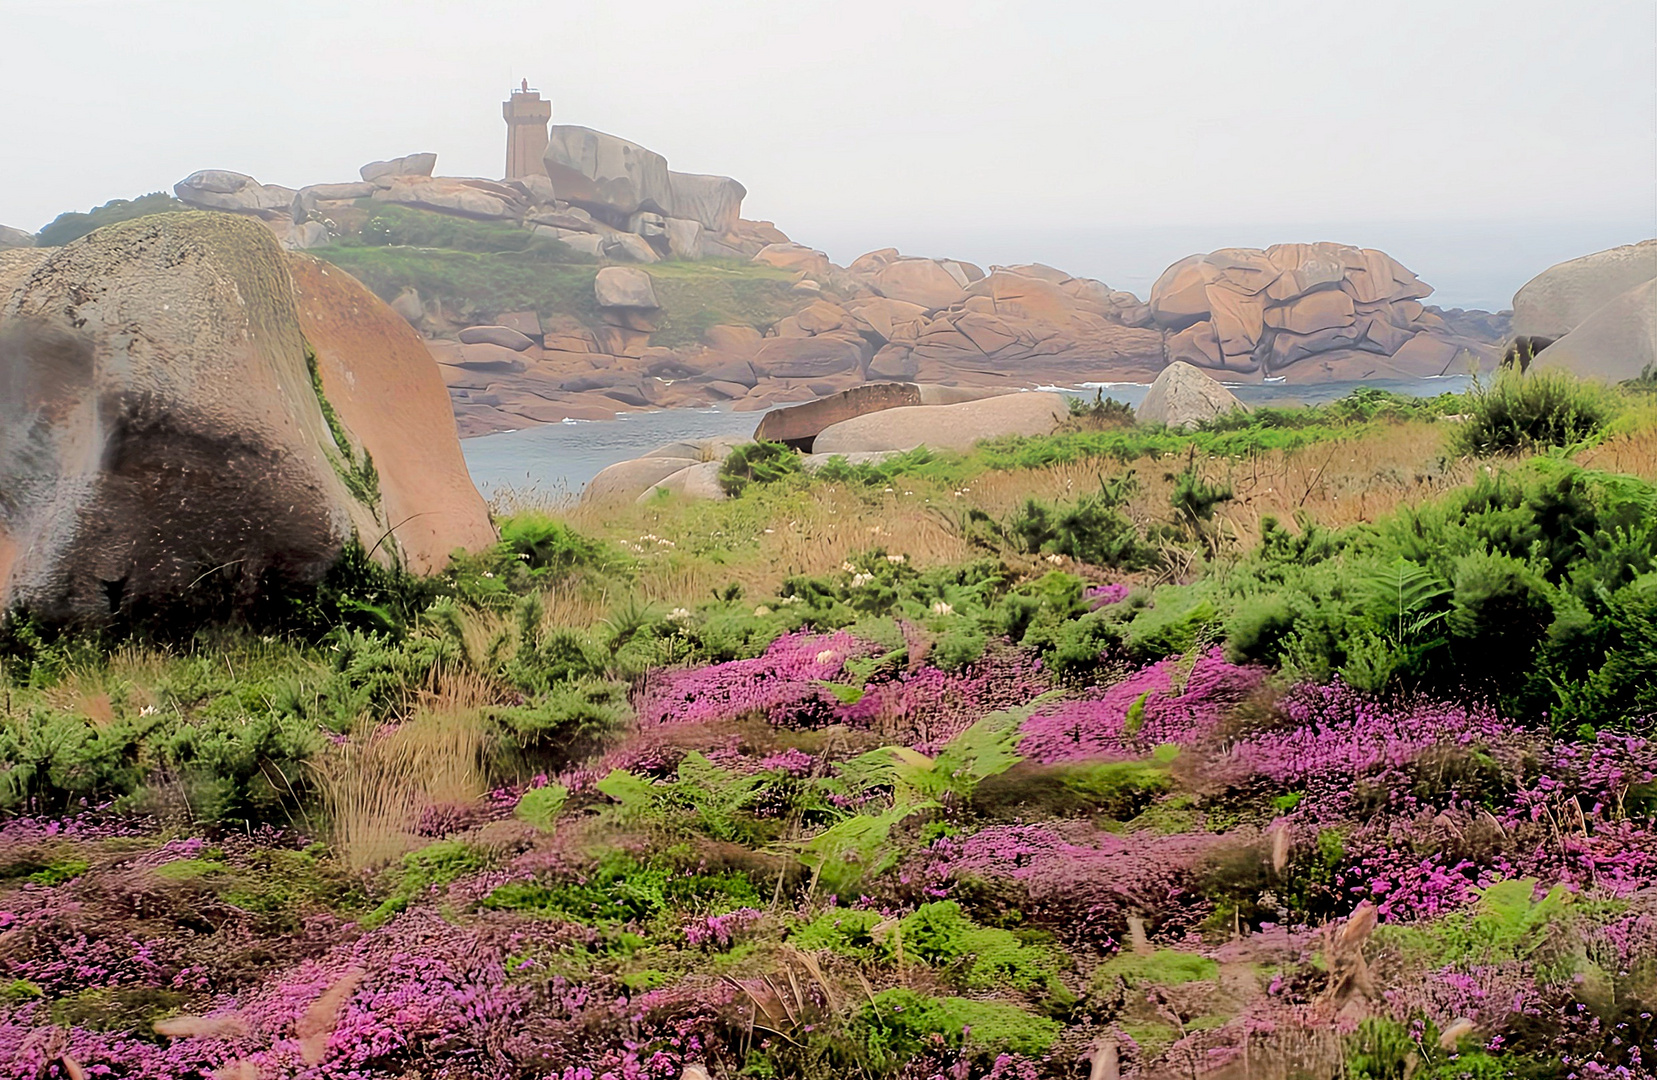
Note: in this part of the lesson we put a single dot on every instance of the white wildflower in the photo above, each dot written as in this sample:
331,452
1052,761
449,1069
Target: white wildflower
678,614
828,656
860,580
848,568
790,599
1055,559
895,560
941,608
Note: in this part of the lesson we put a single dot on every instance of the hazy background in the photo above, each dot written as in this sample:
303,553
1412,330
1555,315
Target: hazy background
1477,140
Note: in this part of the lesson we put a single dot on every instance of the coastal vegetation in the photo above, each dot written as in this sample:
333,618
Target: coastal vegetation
495,266
1309,743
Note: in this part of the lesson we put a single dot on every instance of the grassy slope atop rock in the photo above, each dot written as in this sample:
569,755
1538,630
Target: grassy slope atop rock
1310,745
487,268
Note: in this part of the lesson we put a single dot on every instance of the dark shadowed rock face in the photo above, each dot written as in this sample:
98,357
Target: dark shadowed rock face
163,447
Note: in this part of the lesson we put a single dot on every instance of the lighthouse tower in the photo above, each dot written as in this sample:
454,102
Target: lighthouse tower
526,116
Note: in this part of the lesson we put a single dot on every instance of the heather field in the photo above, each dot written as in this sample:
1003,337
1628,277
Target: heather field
1311,744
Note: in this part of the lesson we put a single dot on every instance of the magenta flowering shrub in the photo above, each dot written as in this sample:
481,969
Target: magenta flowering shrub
1162,703
928,707
1086,882
720,931
784,684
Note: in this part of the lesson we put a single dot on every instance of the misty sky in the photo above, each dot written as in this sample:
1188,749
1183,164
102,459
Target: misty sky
1478,140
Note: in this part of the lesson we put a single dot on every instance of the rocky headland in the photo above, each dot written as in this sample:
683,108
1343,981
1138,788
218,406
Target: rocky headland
614,283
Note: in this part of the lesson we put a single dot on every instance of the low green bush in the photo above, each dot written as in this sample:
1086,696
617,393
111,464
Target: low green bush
1535,410
757,463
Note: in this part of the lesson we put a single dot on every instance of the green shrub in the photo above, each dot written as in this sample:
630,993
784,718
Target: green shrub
899,1024
1523,412
72,225
1164,967
621,889
432,867
540,806
757,463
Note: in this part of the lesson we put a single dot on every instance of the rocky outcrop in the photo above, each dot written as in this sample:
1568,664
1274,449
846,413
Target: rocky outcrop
1560,298
1334,310
1184,396
922,282
1617,341
625,287
15,238
163,444
945,427
220,189
713,202
383,173
606,175
461,196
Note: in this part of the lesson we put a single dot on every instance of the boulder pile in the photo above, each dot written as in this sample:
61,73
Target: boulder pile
1337,311
603,196
192,419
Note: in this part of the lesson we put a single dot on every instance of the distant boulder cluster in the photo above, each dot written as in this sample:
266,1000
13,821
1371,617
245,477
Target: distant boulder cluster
1329,307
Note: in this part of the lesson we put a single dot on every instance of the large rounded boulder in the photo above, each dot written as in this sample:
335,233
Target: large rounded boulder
1560,298
1618,341
190,426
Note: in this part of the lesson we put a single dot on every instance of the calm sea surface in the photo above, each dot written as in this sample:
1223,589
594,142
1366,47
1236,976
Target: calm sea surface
553,461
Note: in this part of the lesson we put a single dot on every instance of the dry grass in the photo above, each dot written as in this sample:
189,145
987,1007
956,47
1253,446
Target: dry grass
375,786
1633,452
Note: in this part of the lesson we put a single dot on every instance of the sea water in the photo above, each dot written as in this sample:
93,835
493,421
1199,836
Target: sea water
552,462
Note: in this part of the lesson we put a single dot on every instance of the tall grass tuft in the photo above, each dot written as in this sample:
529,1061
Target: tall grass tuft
1521,412
375,786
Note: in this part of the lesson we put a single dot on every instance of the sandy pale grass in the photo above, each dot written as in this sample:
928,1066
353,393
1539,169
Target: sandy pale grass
375,786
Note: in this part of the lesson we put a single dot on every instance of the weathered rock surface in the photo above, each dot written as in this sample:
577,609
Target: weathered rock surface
625,481
791,256
376,172
699,481
503,336
220,189
922,282
383,386
162,443
607,175
15,238
799,425
462,196
809,357
714,202
945,427
1184,396
624,287
1248,311
1617,341
1562,297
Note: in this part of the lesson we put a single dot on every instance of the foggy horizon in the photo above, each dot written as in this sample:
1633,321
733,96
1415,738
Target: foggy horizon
1478,145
